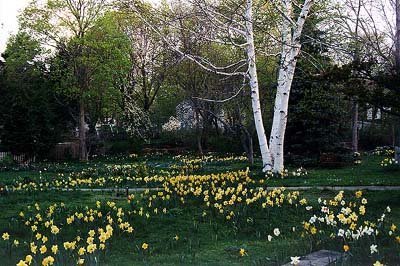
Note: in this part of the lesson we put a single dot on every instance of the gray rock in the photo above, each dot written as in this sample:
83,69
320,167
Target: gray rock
320,258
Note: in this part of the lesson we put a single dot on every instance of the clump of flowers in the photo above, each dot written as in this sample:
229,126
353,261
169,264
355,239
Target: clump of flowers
242,252
172,125
284,173
387,162
295,260
345,221
300,172
385,150
357,158
49,245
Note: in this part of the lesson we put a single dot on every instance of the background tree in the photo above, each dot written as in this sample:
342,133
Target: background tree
149,56
92,52
365,48
32,120
318,118
64,25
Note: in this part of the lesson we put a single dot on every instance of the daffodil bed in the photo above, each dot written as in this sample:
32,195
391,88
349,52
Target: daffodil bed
151,171
220,218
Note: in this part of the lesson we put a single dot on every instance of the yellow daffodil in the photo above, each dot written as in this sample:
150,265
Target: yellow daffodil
54,249
5,236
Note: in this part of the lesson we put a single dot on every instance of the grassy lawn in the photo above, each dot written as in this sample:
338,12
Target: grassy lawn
209,211
368,173
209,241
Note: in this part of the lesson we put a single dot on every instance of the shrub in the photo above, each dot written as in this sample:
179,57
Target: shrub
7,162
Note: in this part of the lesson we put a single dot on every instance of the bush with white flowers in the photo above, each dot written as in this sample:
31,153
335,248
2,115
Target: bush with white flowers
172,125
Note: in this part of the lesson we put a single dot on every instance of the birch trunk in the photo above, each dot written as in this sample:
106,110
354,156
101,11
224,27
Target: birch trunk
291,49
255,95
286,42
281,113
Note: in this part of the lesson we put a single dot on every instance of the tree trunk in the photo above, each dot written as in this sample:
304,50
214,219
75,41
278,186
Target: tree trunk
393,135
82,133
397,36
215,121
290,51
255,95
281,111
397,146
247,143
276,137
198,131
205,130
286,42
250,155
397,56
354,125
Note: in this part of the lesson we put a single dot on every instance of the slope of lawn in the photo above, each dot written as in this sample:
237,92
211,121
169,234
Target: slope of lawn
185,237
368,173
183,229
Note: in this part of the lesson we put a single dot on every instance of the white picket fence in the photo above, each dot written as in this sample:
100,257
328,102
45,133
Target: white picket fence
21,158
3,155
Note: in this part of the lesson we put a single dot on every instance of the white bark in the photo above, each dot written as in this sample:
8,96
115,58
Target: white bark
255,95
286,44
290,50
229,25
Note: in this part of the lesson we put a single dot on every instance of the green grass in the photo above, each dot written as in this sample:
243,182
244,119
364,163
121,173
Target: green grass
201,241
209,240
368,173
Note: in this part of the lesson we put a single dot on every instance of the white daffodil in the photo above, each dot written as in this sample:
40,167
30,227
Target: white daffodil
295,260
373,248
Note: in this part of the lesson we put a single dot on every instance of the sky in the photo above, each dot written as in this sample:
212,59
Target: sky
9,10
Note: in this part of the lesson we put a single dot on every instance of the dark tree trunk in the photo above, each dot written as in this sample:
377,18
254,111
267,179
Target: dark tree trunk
216,126
206,130
354,125
397,37
247,144
82,133
397,57
198,131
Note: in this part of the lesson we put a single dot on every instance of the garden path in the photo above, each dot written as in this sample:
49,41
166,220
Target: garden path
334,188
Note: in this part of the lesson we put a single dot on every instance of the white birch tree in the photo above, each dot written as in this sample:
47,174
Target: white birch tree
291,46
255,93
236,29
